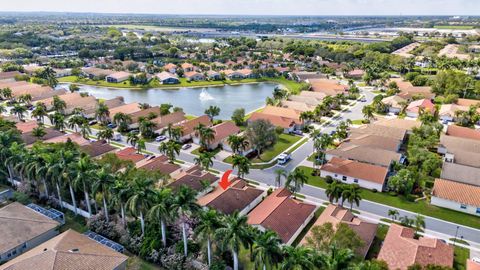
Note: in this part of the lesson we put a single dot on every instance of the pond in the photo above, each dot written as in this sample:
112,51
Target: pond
194,101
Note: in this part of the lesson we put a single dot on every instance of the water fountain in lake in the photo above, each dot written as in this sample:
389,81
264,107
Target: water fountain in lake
205,96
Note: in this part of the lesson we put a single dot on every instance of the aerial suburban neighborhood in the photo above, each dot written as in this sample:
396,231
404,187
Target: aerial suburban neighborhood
132,140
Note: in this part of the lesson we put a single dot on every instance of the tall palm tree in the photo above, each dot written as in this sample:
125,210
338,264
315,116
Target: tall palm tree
122,120
49,75
7,93
368,112
351,193
295,180
242,164
58,121
59,105
39,132
171,149
75,121
132,139
141,198
279,174
184,205
419,223
237,143
121,192
141,145
84,172
212,111
60,170
336,259
334,191
146,128
233,234
105,134
19,111
40,112
161,210
102,113
297,258
205,134
85,129
204,160
103,183
266,250
209,223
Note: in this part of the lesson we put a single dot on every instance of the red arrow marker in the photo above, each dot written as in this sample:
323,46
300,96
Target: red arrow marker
224,183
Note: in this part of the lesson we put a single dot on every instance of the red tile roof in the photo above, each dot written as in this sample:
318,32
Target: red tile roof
281,213
161,164
457,192
26,126
224,130
129,154
400,249
193,178
463,132
355,169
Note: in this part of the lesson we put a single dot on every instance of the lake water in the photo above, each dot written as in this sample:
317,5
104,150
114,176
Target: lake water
194,101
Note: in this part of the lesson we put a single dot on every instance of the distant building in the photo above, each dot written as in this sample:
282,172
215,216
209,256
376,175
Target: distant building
118,77
167,78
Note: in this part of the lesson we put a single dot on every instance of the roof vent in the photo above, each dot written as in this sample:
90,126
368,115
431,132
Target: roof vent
74,250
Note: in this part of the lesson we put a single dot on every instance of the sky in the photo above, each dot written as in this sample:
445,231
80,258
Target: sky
252,7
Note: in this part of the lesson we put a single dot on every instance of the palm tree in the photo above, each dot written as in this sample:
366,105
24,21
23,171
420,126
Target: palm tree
19,111
59,105
141,198
170,149
393,213
121,192
279,173
368,112
297,258
209,223
141,145
233,234
212,111
3,109
336,259
161,210
40,111
205,135
242,164
25,98
39,132
351,193
295,180
105,134
75,121
266,250
83,173
122,120
146,128
419,223
204,160
85,129
184,205
102,113
7,93
60,170
237,143
334,191
103,183
49,75
132,139
58,121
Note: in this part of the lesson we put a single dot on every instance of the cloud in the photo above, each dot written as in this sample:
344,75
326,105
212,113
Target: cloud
254,7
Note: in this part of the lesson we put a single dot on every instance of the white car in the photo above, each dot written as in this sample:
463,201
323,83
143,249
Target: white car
186,146
161,138
283,158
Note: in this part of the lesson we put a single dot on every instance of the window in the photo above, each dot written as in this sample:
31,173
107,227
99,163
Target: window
336,175
344,178
463,206
355,180
478,210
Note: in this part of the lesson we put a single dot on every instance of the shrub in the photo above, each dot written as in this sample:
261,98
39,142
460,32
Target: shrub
329,179
191,246
21,197
374,190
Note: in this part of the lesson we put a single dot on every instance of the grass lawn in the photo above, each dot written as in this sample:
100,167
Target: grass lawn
461,27
76,223
421,207
190,117
309,226
357,122
75,79
197,151
377,241
460,259
137,263
284,141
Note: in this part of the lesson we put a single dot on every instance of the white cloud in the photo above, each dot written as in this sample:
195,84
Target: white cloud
258,7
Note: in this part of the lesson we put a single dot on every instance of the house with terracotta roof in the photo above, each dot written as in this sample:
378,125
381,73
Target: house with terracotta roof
297,106
118,77
385,130
286,118
355,74
145,113
94,73
26,126
222,131
194,76
72,101
97,149
457,196
194,178
415,107
365,175
9,75
160,164
463,132
233,74
71,137
309,101
467,102
394,104
23,229
214,75
187,67
335,215
408,91
406,125
374,141
126,109
162,121
328,87
401,249
283,214
365,154
448,112
473,265
239,196
188,127
69,250
50,133
129,154
170,67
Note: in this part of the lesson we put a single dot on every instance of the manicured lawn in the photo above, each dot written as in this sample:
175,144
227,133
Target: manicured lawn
460,259
461,27
190,117
284,141
197,151
377,241
357,122
421,207
75,79
136,263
